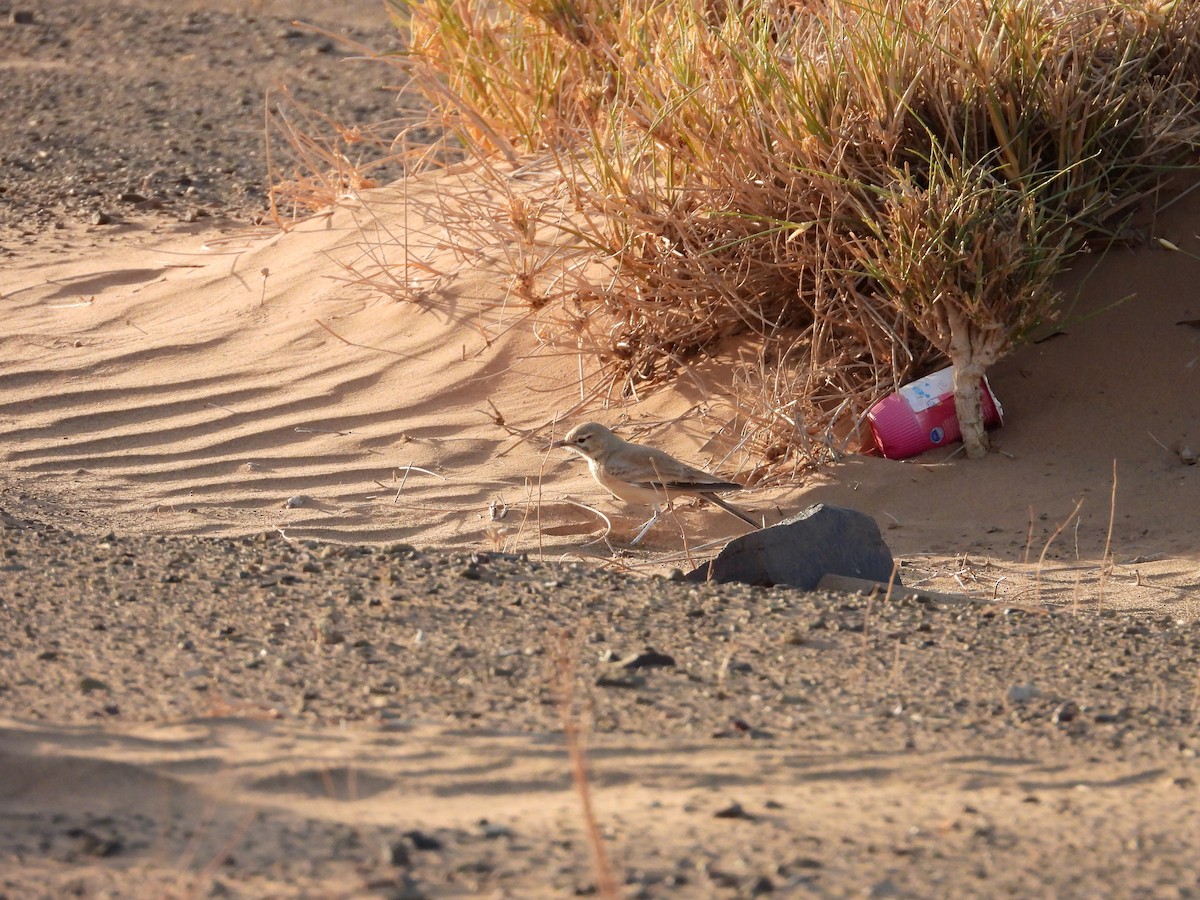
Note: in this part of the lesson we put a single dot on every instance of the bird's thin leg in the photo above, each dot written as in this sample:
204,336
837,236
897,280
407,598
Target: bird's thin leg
641,534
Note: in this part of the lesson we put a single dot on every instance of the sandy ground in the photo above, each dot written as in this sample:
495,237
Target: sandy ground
285,557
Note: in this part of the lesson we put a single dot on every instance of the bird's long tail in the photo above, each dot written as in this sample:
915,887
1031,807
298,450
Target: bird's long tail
730,508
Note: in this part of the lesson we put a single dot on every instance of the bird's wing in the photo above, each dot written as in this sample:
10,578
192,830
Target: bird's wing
631,466
649,468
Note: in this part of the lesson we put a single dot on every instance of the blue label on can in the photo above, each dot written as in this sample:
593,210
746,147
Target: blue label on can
937,436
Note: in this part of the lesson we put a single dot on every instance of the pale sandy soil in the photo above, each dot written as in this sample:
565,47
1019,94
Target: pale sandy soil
210,690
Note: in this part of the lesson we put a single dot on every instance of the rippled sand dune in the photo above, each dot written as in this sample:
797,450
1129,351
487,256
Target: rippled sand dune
238,383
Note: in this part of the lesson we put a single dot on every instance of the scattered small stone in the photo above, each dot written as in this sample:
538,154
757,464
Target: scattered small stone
742,730
422,841
884,888
327,633
733,811
649,659
91,844
21,17
1022,693
87,684
762,885
492,831
298,501
100,217
1065,712
395,853
721,878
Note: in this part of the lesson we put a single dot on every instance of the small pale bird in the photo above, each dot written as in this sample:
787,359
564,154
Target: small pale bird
645,476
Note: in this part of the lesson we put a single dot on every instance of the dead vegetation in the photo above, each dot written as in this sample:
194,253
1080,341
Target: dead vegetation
847,194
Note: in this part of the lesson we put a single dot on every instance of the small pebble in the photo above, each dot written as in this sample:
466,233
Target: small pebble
1065,712
395,853
733,811
422,841
87,684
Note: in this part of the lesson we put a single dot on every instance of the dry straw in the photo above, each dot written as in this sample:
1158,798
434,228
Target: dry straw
849,194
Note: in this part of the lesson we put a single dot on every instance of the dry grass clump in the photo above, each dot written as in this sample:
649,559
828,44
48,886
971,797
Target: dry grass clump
969,260
315,160
855,190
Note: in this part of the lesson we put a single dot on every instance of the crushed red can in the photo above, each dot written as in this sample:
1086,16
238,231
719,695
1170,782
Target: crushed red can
921,416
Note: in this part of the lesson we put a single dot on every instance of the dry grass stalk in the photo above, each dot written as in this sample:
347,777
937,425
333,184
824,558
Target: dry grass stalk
1106,560
1046,549
314,161
563,655
970,261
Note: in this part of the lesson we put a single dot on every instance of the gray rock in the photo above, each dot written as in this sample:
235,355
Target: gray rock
1065,712
1022,693
422,841
798,551
395,853
649,659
